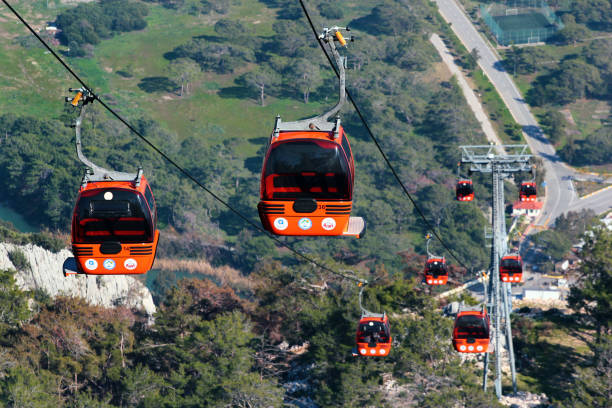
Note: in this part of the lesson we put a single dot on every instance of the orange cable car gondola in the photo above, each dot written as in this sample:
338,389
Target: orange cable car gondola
527,190
511,268
373,336
464,190
308,173
436,272
114,220
471,333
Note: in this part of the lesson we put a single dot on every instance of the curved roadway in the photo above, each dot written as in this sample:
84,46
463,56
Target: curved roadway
560,194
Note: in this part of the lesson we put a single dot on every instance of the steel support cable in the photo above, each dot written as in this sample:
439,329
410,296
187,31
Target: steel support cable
381,151
173,163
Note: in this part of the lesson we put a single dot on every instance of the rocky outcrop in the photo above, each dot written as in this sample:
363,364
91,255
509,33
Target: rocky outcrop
45,272
524,399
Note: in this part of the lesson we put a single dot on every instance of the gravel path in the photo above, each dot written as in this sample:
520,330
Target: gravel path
469,94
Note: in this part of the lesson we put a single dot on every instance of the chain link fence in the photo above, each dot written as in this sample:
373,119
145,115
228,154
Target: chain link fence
521,21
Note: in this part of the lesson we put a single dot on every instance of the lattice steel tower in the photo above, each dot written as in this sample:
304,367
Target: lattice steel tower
501,162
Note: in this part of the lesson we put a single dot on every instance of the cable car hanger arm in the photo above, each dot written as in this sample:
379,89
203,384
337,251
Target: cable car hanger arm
365,312
321,122
429,254
328,36
95,173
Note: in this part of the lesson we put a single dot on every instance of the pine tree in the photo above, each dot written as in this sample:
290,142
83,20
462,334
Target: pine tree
593,290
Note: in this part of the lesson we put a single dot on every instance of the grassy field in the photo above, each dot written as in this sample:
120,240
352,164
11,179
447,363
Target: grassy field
588,115
37,84
498,112
587,187
35,79
582,118
523,83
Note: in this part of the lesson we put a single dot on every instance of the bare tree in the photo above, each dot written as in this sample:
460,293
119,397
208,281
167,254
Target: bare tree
307,77
260,79
184,71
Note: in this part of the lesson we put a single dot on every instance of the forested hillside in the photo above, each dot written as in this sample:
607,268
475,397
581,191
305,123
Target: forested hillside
259,59
210,348
291,341
203,80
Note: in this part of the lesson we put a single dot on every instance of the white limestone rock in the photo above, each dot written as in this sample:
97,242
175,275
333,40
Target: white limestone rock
524,399
46,273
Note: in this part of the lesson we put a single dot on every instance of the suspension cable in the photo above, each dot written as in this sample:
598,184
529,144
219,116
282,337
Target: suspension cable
176,165
375,140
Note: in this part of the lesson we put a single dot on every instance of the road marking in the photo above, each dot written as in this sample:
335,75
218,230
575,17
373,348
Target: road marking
595,192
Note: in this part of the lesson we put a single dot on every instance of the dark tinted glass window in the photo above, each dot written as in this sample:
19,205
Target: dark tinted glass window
113,208
471,326
112,214
346,147
436,268
307,169
528,189
151,201
465,188
511,265
370,329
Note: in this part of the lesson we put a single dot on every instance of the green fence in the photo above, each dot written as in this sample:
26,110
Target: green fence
521,21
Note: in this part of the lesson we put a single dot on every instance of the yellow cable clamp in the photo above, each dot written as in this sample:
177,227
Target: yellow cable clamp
76,99
340,38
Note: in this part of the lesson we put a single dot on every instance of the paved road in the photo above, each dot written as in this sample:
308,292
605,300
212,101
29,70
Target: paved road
560,194
599,202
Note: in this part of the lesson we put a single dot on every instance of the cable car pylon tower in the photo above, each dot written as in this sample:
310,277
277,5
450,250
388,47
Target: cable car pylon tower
502,161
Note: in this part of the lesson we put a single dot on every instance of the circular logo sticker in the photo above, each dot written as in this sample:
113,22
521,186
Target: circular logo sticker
328,224
109,264
305,223
130,264
91,264
281,224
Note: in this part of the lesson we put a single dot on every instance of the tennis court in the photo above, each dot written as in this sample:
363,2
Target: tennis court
521,25
531,21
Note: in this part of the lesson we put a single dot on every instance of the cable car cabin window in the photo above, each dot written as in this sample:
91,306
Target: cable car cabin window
528,189
345,146
151,202
471,326
511,265
436,268
307,169
464,189
373,331
104,215
347,151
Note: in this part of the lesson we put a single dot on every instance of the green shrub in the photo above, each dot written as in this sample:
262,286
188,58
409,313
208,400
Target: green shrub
331,10
48,242
19,260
